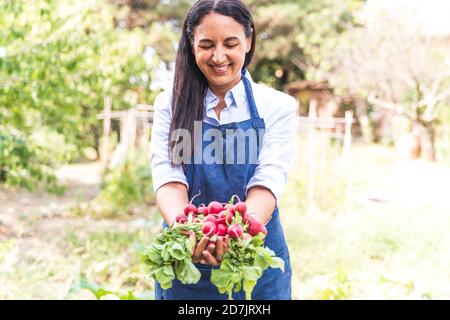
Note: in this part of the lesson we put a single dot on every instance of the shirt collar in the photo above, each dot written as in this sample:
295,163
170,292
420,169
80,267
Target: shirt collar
234,98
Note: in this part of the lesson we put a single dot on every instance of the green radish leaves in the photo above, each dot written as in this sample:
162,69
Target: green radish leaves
242,266
186,272
169,256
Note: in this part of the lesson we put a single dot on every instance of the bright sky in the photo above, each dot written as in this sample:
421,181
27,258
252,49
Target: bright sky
433,14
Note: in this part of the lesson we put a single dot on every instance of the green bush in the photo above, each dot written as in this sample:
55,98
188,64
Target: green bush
125,188
29,163
58,60
128,185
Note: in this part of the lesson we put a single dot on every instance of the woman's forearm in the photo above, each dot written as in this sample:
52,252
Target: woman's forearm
260,203
171,199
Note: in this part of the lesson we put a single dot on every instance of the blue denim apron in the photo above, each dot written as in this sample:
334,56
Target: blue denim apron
219,182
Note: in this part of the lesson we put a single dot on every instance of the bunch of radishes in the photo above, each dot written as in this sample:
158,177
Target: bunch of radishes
222,219
245,260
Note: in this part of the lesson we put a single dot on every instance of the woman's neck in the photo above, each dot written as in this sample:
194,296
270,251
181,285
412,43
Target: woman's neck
221,91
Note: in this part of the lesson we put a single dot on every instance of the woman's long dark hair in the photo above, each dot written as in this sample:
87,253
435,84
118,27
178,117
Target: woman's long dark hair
190,85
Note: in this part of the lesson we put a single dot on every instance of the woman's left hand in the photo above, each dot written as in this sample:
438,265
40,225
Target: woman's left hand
213,255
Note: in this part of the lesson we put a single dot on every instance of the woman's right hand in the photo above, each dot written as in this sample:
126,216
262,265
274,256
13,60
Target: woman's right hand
209,254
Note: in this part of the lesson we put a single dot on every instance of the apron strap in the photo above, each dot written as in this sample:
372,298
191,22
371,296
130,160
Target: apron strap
249,92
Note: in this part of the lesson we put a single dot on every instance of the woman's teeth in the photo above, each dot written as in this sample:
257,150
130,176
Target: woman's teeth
220,68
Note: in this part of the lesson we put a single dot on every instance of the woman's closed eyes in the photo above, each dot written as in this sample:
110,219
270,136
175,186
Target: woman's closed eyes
230,46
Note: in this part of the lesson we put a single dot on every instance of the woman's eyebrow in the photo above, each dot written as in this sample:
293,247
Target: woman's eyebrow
233,38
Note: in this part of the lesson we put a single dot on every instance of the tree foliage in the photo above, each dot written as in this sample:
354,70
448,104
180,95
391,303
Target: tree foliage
294,37
58,59
396,67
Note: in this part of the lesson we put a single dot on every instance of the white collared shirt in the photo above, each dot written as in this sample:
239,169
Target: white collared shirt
278,150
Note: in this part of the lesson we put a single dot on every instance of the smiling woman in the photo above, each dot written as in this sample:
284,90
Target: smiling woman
217,43
216,105
220,46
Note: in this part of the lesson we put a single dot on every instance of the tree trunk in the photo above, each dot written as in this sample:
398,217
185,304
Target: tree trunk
428,140
431,133
366,123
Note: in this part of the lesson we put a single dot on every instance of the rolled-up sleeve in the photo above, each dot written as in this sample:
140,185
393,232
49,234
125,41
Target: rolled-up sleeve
278,149
162,170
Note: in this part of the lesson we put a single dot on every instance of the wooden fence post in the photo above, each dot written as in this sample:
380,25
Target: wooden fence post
104,153
135,130
347,154
312,119
348,136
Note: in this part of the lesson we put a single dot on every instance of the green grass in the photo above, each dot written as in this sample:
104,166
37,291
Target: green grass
111,258
397,248
106,255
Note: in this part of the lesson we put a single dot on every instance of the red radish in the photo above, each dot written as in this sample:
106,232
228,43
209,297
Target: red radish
214,207
202,210
256,227
211,218
241,207
196,220
221,217
246,218
190,208
181,218
264,230
235,231
209,229
225,216
211,243
221,230
231,208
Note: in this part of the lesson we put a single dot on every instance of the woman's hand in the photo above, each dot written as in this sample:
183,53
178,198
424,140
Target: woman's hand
171,199
214,257
209,254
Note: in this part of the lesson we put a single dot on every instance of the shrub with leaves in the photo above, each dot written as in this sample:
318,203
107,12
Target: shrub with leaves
29,163
58,60
127,185
125,188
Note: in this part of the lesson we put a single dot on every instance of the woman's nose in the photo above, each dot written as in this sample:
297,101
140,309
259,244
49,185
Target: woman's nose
218,56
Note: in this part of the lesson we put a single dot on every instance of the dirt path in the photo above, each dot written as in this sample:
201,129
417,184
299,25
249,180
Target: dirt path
18,209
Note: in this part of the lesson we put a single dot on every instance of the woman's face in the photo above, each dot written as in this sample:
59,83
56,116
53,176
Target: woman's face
219,47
